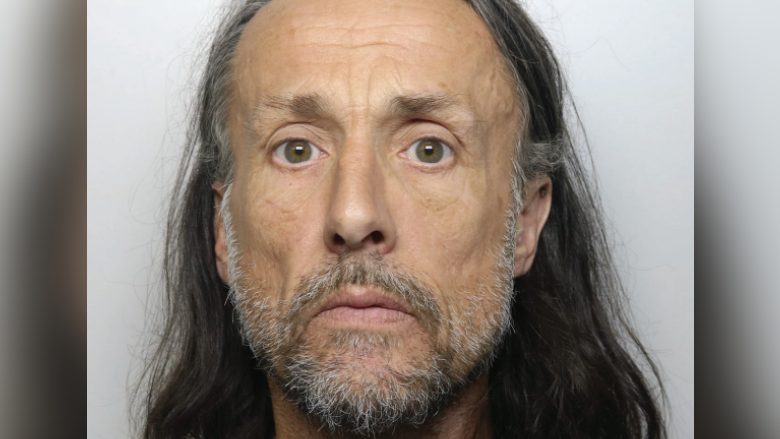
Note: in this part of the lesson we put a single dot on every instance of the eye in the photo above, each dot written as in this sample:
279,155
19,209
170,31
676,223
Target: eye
297,151
429,151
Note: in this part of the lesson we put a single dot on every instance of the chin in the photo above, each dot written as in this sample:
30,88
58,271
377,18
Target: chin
365,382
376,358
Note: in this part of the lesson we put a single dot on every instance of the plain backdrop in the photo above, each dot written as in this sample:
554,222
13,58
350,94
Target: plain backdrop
631,72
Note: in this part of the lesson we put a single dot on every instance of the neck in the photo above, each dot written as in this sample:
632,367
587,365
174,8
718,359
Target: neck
468,417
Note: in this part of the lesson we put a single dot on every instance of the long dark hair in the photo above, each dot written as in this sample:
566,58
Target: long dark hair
571,367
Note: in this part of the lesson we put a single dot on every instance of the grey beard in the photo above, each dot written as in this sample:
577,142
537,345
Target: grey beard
325,387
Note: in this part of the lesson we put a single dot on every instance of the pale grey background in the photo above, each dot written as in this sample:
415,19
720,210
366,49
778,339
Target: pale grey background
630,65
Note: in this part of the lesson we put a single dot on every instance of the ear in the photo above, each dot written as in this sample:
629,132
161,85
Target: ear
220,244
537,201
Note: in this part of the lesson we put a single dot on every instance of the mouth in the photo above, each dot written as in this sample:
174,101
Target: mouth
359,306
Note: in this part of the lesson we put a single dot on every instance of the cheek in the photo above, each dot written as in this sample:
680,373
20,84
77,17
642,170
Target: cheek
453,229
281,230
456,231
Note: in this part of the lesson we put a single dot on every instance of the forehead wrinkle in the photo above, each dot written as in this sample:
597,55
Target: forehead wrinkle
365,29
395,41
357,22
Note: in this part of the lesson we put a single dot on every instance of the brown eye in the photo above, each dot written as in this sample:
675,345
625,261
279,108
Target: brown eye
430,151
297,151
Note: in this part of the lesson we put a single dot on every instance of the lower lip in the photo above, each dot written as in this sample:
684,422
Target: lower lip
370,316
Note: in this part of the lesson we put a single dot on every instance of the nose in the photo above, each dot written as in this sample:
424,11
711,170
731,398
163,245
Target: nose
359,217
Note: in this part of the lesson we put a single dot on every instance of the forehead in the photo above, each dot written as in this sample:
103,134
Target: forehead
362,50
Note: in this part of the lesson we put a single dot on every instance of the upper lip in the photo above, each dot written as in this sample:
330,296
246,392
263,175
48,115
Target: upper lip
361,297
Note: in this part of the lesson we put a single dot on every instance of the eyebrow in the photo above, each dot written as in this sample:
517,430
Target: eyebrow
310,105
425,104
316,106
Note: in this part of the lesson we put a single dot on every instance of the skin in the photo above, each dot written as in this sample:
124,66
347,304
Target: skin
365,193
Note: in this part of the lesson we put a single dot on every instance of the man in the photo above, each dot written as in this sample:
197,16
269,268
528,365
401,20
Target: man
383,230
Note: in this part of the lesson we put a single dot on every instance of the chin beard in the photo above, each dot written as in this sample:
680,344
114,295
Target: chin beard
356,388
348,381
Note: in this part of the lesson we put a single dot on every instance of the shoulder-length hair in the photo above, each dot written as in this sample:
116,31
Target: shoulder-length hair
571,367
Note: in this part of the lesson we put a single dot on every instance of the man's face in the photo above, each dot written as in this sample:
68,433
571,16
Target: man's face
369,243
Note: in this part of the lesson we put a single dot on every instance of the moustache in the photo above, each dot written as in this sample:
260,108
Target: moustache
316,288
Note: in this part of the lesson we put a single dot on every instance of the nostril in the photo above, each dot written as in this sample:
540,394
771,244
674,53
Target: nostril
377,237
